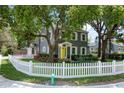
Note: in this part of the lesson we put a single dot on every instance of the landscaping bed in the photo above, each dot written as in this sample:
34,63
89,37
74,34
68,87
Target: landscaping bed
8,71
74,59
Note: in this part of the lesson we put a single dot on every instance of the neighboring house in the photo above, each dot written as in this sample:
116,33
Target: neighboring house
115,47
93,47
78,45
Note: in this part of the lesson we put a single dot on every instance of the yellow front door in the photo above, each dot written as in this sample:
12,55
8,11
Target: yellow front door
63,50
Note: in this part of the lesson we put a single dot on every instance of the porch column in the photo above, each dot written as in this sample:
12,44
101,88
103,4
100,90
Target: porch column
59,52
66,51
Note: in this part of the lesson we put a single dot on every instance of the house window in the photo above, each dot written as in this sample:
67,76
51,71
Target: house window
44,50
83,50
74,50
83,37
74,36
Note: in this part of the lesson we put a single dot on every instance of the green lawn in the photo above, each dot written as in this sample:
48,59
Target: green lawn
8,71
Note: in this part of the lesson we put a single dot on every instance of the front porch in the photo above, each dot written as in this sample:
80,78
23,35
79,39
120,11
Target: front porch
65,50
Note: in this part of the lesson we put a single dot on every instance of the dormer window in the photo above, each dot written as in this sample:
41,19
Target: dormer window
74,36
83,37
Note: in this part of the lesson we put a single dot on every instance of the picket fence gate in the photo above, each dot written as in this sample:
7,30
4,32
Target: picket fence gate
67,70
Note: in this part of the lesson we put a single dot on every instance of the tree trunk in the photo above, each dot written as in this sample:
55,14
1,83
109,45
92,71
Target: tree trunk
99,47
109,46
104,45
51,55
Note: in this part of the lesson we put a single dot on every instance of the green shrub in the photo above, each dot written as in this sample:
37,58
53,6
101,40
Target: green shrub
84,58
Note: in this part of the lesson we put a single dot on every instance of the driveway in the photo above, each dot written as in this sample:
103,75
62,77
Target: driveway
6,83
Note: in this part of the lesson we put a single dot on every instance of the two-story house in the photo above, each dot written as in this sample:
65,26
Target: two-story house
117,47
78,45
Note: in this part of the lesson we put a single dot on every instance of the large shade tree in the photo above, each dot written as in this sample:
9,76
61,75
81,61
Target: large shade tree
30,20
106,21
23,24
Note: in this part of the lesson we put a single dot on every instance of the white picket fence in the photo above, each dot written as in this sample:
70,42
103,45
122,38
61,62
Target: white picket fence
68,70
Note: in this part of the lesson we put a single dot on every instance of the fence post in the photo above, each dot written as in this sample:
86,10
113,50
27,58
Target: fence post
0,61
100,67
63,68
113,66
30,67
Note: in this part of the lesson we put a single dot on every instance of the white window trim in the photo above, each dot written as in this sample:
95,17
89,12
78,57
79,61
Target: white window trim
81,37
75,50
81,51
75,36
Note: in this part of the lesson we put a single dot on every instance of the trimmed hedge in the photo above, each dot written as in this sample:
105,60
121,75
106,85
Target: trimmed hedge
115,56
83,58
74,58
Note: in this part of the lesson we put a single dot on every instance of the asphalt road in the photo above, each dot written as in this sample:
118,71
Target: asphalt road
6,83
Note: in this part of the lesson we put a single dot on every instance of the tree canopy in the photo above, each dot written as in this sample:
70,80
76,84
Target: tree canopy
106,21
4,16
32,19
27,22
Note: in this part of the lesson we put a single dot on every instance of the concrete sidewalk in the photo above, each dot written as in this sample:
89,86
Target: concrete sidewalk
6,83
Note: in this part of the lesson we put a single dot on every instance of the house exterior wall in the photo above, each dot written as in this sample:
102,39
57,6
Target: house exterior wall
77,43
42,45
117,49
92,49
